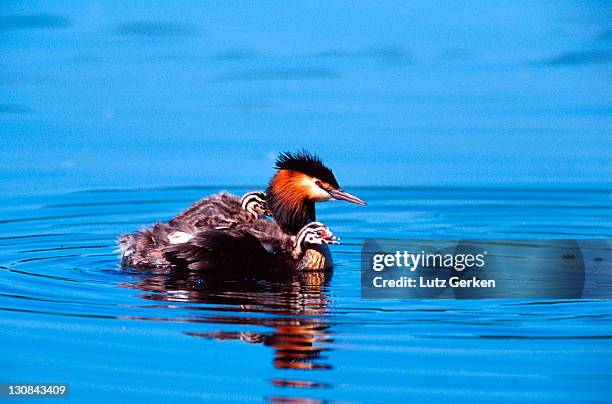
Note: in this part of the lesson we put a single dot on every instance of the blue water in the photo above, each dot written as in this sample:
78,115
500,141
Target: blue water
101,94
453,120
70,315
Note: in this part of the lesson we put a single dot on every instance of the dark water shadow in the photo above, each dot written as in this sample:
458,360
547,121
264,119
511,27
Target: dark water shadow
267,74
388,52
155,29
292,306
15,109
83,59
605,35
22,22
456,54
574,58
237,54
36,79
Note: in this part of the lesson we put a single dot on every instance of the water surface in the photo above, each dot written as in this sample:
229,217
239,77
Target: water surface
452,119
124,94
71,315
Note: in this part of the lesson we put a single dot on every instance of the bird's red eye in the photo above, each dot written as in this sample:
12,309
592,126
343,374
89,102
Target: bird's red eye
319,184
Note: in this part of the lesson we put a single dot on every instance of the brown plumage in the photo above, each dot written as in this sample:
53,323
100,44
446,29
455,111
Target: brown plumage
263,246
219,210
301,180
289,200
145,249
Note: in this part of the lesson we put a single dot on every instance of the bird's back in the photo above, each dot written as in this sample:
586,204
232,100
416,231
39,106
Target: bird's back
218,234
218,210
145,249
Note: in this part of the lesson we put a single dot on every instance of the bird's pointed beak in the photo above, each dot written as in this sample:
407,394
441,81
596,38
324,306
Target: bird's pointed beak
342,195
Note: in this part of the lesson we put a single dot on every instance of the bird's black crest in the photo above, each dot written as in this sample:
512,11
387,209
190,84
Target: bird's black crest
306,163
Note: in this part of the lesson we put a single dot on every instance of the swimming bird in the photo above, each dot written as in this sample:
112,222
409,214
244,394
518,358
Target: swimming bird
231,232
145,249
163,246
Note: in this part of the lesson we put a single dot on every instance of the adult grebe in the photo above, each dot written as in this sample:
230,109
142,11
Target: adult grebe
301,180
226,231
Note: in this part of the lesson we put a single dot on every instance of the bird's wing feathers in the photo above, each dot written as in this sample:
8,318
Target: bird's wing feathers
218,249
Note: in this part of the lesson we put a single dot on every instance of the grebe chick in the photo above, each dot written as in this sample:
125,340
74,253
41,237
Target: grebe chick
224,209
255,203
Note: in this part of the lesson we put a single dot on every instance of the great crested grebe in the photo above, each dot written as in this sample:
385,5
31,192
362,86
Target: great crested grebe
302,179
224,231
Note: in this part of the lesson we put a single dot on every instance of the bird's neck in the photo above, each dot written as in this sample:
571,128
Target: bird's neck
289,209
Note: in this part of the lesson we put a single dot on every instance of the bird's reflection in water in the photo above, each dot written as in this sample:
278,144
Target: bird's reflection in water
294,307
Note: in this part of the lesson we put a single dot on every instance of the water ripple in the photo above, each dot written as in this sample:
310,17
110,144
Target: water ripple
304,333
